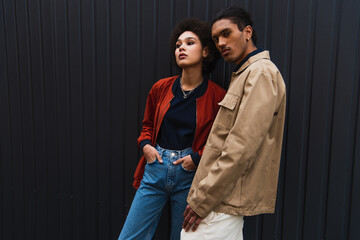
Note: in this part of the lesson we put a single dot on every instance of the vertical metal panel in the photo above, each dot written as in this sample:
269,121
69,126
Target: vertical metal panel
352,191
37,58
342,144
3,101
6,134
117,96
296,162
15,116
74,77
76,91
354,209
316,169
103,86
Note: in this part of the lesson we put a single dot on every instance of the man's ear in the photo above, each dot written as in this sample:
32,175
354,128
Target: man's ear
248,31
205,52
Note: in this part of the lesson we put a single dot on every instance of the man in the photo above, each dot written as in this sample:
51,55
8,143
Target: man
238,172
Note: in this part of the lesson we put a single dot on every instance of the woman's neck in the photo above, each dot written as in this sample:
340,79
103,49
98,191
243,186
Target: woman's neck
191,78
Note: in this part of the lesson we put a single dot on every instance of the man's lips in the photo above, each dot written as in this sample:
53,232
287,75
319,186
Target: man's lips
225,51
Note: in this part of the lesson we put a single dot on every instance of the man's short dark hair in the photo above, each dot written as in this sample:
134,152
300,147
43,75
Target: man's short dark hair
203,31
237,16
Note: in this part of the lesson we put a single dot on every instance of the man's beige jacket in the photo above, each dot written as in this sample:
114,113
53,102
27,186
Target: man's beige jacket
238,171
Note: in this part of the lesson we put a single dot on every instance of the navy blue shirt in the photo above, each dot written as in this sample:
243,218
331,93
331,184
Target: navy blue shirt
178,127
246,58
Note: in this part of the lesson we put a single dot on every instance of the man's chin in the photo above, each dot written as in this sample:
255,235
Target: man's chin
228,59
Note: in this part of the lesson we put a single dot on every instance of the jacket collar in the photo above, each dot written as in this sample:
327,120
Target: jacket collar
261,55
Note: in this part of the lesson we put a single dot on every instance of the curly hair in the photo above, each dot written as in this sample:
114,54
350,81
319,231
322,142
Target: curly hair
203,31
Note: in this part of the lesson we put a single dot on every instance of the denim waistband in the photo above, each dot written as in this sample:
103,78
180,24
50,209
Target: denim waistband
172,153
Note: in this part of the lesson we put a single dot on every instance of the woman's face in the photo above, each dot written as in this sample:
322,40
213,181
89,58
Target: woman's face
188,51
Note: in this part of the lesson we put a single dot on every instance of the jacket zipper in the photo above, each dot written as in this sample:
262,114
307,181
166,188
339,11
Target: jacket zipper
161,117
196,124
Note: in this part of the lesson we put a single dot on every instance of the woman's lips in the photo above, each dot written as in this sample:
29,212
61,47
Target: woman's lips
182,56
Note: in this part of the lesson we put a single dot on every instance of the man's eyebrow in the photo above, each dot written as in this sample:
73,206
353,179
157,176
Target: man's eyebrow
222,31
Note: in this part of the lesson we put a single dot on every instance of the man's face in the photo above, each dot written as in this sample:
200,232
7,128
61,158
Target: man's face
230,41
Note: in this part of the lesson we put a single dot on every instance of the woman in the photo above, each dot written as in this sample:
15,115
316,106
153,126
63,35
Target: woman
178,116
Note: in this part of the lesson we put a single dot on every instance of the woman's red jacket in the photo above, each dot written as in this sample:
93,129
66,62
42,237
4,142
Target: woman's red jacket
158,102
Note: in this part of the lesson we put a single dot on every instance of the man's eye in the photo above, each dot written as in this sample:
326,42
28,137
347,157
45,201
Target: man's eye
226,34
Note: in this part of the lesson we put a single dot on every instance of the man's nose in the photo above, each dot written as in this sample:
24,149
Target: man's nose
221,42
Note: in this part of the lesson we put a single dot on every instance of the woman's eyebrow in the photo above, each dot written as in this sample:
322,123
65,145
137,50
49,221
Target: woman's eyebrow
187,38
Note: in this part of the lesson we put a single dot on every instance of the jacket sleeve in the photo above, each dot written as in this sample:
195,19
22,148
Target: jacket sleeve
252,122
149,115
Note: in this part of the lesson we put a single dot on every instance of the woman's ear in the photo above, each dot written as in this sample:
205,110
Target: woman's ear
205,52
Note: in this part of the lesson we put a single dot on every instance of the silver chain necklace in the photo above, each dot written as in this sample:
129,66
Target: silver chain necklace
185,95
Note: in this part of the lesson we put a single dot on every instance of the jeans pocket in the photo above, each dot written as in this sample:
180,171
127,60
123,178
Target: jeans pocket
187,170
151,163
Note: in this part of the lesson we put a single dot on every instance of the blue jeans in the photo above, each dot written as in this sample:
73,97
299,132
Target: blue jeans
161,183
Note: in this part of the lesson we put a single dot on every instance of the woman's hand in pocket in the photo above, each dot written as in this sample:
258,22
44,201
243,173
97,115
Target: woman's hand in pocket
151,154
187,163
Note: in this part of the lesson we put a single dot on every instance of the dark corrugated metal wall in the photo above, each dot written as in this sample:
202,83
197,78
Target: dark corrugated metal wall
74,76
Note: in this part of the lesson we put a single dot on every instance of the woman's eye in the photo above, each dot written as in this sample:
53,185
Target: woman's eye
190,43
178,45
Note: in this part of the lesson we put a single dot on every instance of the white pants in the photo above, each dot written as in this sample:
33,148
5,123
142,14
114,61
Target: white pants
217,226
